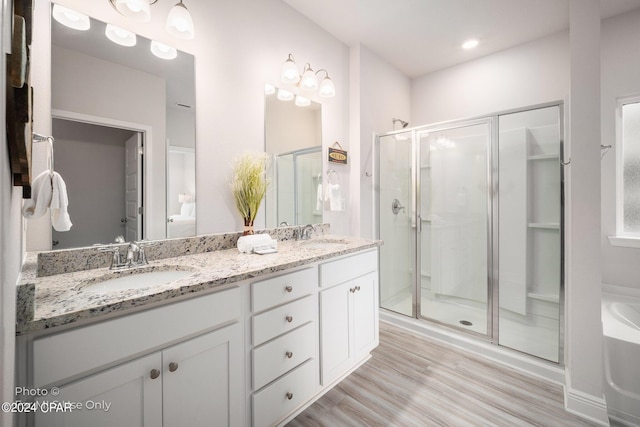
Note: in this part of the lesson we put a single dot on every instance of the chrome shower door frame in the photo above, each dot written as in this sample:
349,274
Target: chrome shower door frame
423,131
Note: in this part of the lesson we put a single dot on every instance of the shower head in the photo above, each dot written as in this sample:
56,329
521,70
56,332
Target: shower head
402,123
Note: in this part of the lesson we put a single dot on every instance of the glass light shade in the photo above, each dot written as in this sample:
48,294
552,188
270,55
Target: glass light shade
269,89
301,101
309,80
284,95
120,36
180,23
163,51
70,18
289,73
138,10
327,89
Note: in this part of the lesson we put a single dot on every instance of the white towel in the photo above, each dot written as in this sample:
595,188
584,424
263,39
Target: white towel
319,197
49,191
59,202
335,197
41,191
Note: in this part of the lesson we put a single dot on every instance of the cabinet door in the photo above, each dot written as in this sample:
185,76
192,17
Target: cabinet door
365,314
334,331
122,396
205,386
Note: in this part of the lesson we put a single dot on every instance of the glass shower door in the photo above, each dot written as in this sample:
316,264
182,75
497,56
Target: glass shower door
397,225
530,231
454,224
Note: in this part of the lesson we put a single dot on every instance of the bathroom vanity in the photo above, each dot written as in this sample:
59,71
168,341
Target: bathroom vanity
242,340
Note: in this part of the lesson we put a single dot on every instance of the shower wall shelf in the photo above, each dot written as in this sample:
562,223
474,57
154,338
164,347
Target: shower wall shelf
546,225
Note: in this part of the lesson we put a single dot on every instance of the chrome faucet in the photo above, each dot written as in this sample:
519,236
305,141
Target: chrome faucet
306,232
135,256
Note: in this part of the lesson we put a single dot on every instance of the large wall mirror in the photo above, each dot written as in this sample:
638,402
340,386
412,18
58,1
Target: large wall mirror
293,139
124,128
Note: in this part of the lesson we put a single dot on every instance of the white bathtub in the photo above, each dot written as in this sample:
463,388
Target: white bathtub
621,327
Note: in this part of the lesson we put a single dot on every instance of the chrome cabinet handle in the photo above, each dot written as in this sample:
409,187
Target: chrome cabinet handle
289,395
289,319
173,366
289,354
155,373
288,288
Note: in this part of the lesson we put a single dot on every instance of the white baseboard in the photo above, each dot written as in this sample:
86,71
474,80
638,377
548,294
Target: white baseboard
587,406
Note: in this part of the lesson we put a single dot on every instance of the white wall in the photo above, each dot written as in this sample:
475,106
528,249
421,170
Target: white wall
384,94
238,47
620,70
528,74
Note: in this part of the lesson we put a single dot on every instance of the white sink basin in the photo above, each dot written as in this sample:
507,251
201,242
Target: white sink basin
136,280
325,243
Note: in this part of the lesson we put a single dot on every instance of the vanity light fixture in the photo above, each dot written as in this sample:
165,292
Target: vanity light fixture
308,81
285,95
120,36
163,51
179,21
71,18
301,101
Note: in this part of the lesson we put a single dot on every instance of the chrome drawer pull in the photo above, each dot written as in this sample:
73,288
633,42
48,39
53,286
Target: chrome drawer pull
352,290
289,319
357,288
289,354
173,366
289,395
155,373
288,288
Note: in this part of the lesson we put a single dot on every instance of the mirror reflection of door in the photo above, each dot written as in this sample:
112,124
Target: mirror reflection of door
102,169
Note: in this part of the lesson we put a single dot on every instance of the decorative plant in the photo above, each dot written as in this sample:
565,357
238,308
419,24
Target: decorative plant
249,185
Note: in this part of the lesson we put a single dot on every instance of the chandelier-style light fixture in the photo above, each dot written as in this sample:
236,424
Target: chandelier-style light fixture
308,81
179,21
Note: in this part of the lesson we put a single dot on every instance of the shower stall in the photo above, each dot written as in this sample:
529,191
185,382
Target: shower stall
471,216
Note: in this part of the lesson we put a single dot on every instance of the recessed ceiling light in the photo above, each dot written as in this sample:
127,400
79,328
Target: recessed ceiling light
470,44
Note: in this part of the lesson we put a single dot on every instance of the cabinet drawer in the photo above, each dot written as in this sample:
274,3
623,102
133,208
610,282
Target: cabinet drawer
282,319
341,270
284,396
279,290
279,356
66,354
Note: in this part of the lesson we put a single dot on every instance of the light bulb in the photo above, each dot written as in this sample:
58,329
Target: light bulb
309,80
180,23
71,18
301,101
284,95
120,36
163,51
289,73
327,89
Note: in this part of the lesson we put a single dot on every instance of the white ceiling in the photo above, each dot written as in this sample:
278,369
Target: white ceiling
421,36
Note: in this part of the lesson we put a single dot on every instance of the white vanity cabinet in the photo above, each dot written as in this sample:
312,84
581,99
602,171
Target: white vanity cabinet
180,364
284,341
348,313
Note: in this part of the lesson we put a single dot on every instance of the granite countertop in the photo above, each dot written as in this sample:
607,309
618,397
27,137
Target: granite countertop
63,299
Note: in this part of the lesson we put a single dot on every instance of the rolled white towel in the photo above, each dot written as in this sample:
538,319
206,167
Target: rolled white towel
59,203
41,192
246,244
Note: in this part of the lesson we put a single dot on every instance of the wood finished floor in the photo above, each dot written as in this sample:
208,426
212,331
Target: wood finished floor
413,381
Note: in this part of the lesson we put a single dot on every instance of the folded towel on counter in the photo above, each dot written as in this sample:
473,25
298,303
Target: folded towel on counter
48,190
59,203
41,191
249,244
